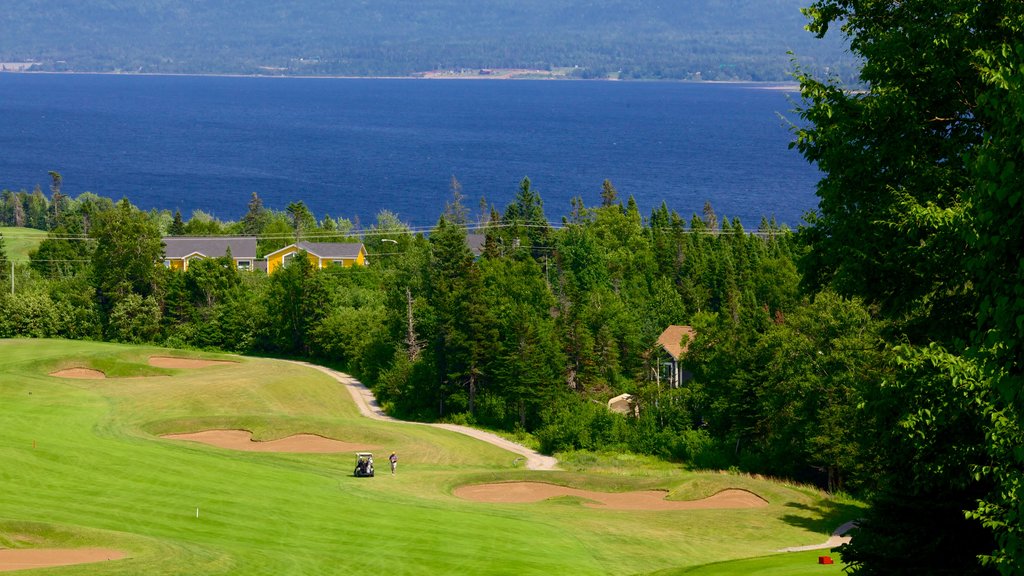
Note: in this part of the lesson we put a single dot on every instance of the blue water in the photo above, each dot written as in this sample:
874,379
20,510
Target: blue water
353,147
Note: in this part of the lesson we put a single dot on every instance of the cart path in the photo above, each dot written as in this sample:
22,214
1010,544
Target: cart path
370,408
838,539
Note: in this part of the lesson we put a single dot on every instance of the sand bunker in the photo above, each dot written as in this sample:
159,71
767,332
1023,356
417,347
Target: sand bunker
80,373
44,558
526,492
187,363
242,440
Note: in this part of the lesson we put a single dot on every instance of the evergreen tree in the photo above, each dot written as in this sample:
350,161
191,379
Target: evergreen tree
177,225
527,227
296,301
255,218
452,290
58,201
609,195
302,220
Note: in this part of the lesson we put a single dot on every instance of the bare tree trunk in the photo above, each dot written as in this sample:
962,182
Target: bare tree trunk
413,346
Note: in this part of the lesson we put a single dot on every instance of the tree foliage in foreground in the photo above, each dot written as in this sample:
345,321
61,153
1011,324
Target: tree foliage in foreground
920,216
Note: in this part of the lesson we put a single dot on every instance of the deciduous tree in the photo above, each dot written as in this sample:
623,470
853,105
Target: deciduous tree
128,251
919,214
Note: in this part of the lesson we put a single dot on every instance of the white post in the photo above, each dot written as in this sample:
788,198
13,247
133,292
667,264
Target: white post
197,511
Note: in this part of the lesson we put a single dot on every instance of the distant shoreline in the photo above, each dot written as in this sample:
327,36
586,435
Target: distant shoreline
762,85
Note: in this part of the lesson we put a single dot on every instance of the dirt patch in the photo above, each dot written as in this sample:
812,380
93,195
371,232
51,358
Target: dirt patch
79,373
24,559
242,440
526,492
186,363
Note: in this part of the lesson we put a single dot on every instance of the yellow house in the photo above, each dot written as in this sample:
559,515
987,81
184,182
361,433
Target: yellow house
320,254
180,250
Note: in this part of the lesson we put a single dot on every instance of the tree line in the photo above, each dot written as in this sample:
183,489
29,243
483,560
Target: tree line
531,331
734,40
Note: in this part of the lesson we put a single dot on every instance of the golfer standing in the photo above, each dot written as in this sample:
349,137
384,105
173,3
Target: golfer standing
394,462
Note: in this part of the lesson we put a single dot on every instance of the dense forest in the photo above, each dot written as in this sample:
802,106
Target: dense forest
714,40
532,334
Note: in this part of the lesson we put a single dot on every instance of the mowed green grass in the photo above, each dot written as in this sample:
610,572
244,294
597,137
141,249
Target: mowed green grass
789,564
18,242
83,465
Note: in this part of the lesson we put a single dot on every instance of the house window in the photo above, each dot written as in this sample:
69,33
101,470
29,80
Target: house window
245,264
167,263
340,262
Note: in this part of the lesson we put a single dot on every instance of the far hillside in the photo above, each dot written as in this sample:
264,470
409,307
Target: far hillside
715,40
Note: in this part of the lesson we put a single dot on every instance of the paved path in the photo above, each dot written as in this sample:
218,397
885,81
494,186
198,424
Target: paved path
369,407
838,539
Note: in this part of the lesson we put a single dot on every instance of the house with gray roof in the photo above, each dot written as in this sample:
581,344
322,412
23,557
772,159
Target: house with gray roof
180,250
320,254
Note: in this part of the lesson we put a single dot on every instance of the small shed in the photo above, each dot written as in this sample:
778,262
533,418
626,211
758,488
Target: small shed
624,404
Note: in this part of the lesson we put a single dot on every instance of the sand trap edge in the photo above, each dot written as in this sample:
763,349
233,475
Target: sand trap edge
241,440
79,374
178,362
641,500
33,558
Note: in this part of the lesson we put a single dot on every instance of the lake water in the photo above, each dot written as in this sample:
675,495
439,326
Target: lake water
353,147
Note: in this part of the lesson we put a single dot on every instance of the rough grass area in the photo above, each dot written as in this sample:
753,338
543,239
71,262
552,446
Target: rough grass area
18,242
84,466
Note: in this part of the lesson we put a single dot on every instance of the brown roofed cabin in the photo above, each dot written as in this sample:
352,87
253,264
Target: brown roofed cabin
180,250
674,342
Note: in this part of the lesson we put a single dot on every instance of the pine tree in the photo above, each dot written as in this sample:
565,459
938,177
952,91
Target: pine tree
255,218
177,225
609,195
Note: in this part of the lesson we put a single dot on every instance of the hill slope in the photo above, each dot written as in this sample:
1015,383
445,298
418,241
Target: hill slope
720,39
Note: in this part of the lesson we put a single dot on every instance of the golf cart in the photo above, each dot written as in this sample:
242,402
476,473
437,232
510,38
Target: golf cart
364,465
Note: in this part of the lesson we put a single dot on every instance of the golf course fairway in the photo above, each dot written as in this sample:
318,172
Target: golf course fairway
85,466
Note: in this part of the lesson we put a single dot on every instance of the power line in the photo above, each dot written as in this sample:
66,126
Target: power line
372,233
